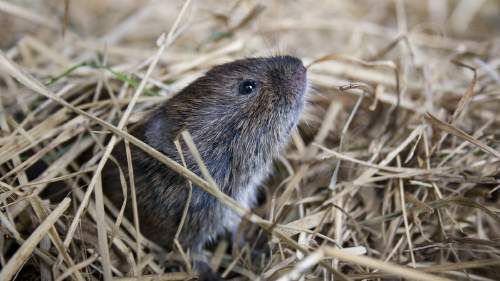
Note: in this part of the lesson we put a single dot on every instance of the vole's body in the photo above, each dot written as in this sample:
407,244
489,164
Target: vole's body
240,115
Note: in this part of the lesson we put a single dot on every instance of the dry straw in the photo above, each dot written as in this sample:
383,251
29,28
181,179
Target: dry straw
393,173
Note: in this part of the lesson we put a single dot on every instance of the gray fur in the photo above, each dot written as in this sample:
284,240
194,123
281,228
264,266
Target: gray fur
237,136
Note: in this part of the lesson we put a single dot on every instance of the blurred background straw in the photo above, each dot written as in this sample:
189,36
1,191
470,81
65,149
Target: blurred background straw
394,172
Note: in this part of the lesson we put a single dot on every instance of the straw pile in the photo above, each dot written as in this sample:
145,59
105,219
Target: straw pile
393,173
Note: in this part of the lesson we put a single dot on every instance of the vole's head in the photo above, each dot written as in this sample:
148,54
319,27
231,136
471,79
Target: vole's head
262,86
241,103
255,91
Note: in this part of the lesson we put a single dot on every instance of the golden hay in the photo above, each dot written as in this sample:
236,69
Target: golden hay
393,173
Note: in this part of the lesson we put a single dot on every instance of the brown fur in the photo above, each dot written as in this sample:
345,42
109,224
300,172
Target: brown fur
237,135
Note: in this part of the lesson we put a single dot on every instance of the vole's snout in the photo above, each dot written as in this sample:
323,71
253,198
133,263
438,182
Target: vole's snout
293,71
296,66
300,74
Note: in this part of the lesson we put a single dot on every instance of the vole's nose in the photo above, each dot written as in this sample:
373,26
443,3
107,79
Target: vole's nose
298,75
300,72
298,69
293,71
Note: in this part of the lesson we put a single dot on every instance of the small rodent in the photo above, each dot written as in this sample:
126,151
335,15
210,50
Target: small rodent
239,114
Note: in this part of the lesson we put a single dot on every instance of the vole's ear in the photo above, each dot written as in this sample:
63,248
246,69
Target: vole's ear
159,132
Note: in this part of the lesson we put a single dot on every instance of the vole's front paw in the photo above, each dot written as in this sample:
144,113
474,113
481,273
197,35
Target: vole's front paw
256,241
205,273
210,276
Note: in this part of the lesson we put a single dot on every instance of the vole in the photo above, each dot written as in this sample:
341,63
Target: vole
240,115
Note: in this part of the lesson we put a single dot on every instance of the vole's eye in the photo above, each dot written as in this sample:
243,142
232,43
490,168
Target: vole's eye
247,87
